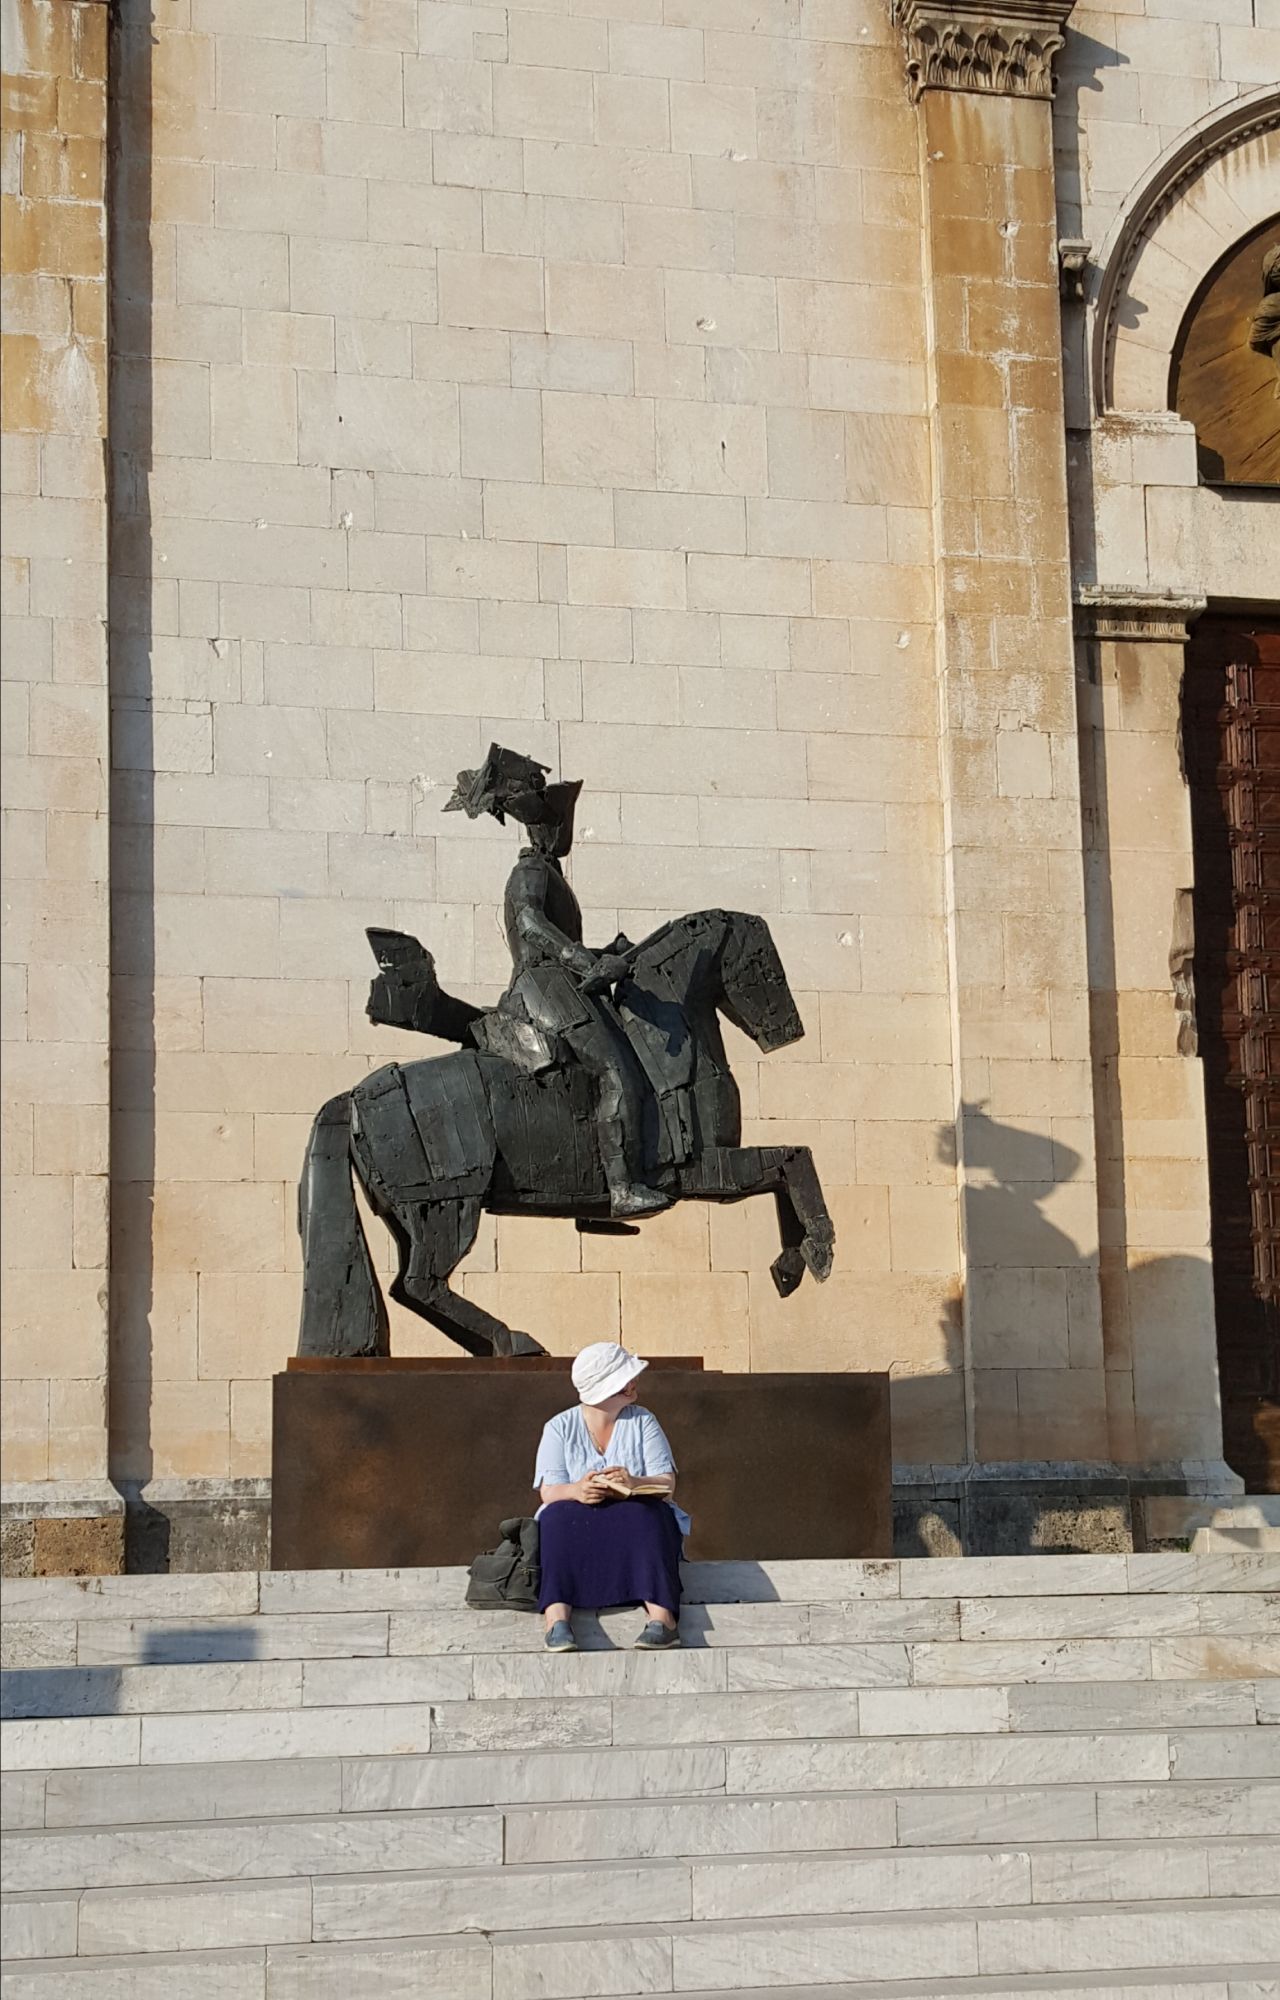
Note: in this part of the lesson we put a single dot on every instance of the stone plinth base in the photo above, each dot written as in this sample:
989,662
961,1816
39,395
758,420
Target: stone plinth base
62,1528
392,1465
1061,1508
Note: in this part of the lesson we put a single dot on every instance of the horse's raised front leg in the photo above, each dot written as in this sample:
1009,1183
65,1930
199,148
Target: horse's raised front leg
731,1173
803,1190
433,1238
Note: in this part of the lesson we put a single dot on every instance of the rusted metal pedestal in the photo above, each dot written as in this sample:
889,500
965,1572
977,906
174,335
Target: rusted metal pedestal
409,1463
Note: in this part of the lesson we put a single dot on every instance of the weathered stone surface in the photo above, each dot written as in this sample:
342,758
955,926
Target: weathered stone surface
194,1917
173,1597
1183,1810
965,1818
1144,1705
717,1826
341,1635
510,1676
406,1783
975,1760
38,1645
17,1548
40,1926
221,1736
759,1955
1225,1753
139,1690
817,1666
124,1857
216,1975
527,1967
78,1547
818,1884
67,1743
21,1799
409,1905
730,1717
1083,1940
452,1969
980,1661
215,1791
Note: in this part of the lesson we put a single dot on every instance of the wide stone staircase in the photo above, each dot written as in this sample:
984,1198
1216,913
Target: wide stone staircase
1020,1776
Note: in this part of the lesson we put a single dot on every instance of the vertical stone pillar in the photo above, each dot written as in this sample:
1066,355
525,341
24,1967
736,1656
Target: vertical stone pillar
1157,1275
60,1513
1026,1157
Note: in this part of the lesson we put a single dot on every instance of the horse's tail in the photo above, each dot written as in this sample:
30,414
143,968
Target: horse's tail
342,1308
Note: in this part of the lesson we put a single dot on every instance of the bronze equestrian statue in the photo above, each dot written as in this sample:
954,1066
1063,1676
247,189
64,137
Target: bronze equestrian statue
597,1088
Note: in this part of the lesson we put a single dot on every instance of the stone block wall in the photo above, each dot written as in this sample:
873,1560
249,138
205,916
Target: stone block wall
1133,81
56,1011
1168,140
651,385
556,377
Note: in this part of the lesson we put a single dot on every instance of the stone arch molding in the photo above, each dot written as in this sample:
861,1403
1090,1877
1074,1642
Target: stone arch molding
1207,192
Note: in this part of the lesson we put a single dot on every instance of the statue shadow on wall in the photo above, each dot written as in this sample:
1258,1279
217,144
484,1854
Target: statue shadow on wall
1081,67
1006,1224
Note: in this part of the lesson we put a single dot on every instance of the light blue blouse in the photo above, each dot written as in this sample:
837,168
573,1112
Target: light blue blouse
639,1443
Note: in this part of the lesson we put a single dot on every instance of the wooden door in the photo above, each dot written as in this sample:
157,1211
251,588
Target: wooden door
1231,725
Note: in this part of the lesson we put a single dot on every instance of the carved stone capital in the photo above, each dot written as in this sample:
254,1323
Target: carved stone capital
1004,49
1140,616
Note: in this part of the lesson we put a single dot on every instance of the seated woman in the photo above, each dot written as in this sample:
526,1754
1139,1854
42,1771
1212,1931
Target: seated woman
599,1546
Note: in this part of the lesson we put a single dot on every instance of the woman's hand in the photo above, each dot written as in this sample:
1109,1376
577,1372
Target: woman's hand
588,1490
617,1475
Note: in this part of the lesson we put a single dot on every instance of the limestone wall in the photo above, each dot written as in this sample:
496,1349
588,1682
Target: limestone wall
1169,153
55,725
651,385
1134,80
555,377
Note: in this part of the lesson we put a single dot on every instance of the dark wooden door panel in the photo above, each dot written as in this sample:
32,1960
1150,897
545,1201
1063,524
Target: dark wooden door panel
1231,726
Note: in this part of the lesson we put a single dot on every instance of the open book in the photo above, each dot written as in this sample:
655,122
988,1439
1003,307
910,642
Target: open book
639,1489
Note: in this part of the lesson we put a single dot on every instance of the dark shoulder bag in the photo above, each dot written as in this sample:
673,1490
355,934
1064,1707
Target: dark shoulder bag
507,1578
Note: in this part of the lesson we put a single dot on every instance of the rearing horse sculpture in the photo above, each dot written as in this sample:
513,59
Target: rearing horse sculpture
501,1126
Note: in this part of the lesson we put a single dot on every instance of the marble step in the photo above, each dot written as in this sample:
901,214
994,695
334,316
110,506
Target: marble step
249,1593
824,1850
304,1785
428,1970
135,1730
778,1955
157,1640
416,1755
924,1679
1204,1983
739,1891
582,1805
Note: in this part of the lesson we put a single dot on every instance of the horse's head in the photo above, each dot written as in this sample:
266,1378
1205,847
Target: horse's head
755,995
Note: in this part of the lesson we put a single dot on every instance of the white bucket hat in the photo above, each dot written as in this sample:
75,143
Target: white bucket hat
603,1369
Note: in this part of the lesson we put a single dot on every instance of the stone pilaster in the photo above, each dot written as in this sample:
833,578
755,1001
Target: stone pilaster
58,1511
1026,1156
1157,1277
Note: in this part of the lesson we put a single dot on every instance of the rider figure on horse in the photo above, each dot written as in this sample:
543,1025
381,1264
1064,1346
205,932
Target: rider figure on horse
559,984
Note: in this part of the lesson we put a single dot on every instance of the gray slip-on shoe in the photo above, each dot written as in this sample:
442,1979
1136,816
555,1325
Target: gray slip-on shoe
657,1637
560,1637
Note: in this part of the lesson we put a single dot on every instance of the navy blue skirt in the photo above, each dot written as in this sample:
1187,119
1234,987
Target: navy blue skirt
619,1552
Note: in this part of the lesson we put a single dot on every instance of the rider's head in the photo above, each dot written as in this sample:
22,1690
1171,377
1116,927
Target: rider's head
509,784
553,832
